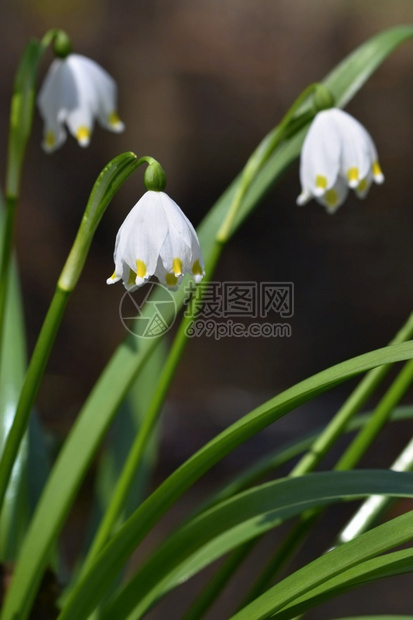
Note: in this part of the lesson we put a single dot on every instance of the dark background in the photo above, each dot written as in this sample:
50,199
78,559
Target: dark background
200,83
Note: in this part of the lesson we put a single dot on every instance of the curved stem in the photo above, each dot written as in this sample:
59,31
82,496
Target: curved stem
136,453
21,118
259,158
108,182
325,441
254,164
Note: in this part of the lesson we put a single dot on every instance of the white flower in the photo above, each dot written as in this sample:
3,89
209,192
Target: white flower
76,90
156,238
338,153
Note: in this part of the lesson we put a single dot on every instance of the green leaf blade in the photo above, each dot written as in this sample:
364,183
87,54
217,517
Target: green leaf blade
125,365
236,521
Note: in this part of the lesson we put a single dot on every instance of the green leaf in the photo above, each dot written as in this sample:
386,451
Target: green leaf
246,479
136,527
124,367
125,429
28,474
15,514
248,515
270,462
389,565
333,564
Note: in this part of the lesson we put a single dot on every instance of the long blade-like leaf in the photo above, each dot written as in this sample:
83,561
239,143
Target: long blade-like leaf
123,368
110,561
233,522
336,562
389,565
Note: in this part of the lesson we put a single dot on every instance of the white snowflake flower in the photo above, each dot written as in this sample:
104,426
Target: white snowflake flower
156,238
75,92
338,153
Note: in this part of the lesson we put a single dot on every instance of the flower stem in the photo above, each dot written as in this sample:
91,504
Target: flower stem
136,453
21,118
381,415
252,167
259,158
108,182
353,404
325,441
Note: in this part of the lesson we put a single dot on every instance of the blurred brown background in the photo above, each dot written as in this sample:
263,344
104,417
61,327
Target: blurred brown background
200,83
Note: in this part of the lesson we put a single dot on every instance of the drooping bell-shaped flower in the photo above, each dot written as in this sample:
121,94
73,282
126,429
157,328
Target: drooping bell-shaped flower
338,154
156,238
75,92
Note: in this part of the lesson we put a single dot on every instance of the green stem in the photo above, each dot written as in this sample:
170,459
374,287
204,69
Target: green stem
381,415
353,404
21,118
254,164
137,451
106,185
259,158
31,384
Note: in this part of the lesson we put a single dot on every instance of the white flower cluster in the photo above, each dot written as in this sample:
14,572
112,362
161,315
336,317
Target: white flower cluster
156,238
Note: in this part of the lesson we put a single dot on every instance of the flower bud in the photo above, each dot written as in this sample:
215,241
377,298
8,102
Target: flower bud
154,177
323,99
62,46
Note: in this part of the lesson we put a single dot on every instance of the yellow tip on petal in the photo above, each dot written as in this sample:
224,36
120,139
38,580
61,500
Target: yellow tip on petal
49,139
377,172
362,186
140,269
331,198
197,269
113,276
171,279
114,121
353,176
177,266
83,135
321,181
132,277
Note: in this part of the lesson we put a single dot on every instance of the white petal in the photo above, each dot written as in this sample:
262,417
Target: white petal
357,148
304,197
178,243
55,97
181,247
335,196
104,92
320,156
